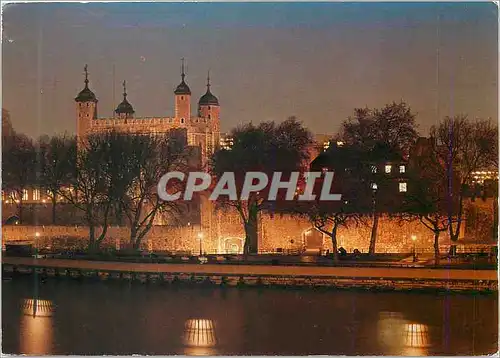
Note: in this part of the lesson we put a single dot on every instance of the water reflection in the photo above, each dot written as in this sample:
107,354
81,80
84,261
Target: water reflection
401,336
199,337
416,335
36,327
37,308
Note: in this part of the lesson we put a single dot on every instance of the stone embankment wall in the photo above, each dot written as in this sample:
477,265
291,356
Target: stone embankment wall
232,275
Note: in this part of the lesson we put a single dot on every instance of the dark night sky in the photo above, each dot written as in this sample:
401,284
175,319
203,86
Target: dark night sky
317,61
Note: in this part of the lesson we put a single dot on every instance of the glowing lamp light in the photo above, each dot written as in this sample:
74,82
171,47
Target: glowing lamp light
414,237
200,235
37,234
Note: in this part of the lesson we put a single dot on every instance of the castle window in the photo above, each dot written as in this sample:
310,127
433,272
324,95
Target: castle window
209,108
182,120
402,169
402,187
36,194
388,168
209,116
182,98
25,194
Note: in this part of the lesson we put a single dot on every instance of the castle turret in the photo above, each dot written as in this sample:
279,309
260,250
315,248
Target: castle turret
86,107
125,109
208,105
182,100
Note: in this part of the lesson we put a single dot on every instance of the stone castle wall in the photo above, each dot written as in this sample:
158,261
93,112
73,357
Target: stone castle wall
222,232
288,234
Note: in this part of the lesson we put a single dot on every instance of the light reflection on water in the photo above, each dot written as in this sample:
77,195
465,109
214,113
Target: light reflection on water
402,337
36,327
76,318
199,337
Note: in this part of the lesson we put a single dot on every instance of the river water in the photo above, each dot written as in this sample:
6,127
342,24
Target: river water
122,318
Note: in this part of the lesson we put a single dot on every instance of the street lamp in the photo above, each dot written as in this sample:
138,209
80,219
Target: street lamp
200,236
414,238
37,235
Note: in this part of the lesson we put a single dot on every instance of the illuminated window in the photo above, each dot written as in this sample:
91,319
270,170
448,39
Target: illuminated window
402,187
374,186
25,194
36,194
388,169
324,170
3,195
340,143
374,169
402,169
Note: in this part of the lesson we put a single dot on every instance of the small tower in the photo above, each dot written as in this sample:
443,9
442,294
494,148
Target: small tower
86,108
208,105
182,100
125,109
209,111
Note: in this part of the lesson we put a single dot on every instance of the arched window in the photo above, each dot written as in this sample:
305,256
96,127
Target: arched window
209,116
182,120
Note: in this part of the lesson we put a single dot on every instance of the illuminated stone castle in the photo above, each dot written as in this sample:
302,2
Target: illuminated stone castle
202,129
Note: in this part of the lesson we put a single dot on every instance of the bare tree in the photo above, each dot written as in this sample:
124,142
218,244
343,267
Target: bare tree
348,167
18,168
426,196
150,158
462,147
57,157
103,174
267,148
382,134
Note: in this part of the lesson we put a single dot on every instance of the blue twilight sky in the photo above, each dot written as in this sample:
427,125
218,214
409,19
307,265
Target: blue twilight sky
317,61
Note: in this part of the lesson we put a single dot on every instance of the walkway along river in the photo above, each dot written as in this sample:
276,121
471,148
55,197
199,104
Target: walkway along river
347,277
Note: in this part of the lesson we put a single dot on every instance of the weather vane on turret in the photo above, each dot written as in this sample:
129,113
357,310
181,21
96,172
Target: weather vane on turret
124,88
86,75
182,69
